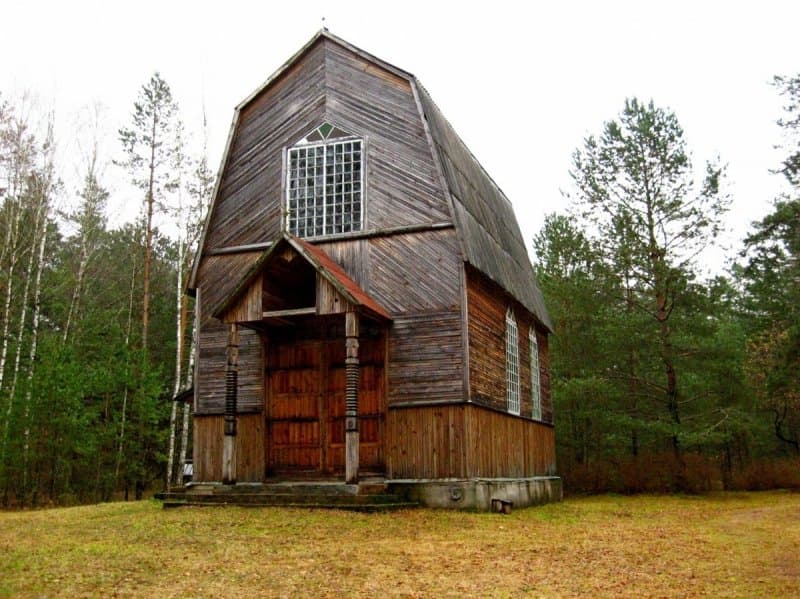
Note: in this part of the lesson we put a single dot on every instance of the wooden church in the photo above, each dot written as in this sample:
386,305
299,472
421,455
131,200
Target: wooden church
367,309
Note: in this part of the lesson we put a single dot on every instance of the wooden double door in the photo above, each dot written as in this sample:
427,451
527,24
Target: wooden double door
305,401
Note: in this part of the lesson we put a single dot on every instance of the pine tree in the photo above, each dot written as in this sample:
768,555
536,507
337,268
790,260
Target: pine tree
148,145
636,188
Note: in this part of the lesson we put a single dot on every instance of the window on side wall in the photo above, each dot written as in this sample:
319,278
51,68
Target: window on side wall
512,363
536,387
325,184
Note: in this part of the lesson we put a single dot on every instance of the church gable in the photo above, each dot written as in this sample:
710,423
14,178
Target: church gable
247,206
326,84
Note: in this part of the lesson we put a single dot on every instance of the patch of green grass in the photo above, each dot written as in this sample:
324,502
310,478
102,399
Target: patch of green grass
720,545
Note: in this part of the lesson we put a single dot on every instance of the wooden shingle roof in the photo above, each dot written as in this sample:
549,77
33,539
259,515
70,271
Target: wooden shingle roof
489,231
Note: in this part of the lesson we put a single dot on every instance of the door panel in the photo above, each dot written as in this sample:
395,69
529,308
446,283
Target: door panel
293,405
306,404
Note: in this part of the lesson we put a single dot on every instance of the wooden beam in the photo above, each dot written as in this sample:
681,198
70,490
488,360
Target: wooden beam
291,312
387,232
351,398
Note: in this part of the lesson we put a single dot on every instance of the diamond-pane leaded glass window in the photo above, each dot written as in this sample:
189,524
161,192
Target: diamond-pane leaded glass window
512,363
325,184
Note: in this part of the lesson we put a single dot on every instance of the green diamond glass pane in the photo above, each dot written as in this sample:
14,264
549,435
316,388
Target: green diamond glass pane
325,130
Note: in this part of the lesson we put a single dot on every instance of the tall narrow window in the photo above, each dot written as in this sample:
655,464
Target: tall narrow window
512,363
536,388
324,187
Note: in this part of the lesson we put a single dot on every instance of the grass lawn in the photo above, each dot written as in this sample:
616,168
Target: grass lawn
721,545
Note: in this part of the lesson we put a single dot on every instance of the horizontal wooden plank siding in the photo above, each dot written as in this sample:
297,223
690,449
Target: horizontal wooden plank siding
211,373
426,442
219,275
426,358
207,452
503,446
487,305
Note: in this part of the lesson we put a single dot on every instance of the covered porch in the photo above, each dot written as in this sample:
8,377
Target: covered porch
324,353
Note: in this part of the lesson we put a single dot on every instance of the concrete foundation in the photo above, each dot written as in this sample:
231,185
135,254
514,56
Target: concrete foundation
479,493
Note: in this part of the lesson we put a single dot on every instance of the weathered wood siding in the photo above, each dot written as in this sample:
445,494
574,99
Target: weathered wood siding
415,276
328,83
402,182
492,238
207,448
503,446
487,305
466,441
250,306
248,204
218,276
426,442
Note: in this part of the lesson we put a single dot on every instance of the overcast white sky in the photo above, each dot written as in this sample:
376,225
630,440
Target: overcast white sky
522,82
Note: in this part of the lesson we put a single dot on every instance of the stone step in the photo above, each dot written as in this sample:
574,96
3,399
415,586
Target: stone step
281,498
286,488
367,507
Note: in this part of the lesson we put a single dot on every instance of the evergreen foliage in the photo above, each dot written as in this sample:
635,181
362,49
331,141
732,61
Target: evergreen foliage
662,379
84,405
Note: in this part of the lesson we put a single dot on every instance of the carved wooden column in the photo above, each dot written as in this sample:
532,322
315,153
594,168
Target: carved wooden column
351,398
231,386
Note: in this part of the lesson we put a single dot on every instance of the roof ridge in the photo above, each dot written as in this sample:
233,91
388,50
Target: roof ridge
320,34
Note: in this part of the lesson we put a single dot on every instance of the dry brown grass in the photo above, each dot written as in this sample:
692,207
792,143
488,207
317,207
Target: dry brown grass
721,545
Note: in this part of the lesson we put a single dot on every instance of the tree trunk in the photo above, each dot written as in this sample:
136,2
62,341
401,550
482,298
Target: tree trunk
20,336
633,383
669,372
75,301
148,246
186,405
14,257
32,355
13,253
176,387
121,440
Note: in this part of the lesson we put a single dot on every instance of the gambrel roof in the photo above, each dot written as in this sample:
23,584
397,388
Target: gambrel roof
490,237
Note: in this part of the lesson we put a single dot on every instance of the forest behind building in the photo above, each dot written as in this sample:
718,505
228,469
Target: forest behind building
664,378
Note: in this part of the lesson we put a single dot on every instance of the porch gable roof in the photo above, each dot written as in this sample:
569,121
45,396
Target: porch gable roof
322,264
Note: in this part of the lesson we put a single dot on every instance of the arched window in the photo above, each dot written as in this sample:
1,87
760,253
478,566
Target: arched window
324,183
512,363
536,388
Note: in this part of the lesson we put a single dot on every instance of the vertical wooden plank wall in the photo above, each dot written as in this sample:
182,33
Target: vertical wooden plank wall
426,442
207,452
503,446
